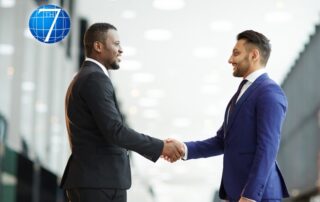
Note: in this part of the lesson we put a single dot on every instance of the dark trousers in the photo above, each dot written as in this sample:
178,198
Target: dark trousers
96,195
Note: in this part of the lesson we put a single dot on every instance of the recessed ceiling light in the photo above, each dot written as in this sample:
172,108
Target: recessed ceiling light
128,14
130,65
158,35
10,71
135,92
221,26
41,107
6,49
28,86
278,17
7,3
279,4
169,4
205,52
143,78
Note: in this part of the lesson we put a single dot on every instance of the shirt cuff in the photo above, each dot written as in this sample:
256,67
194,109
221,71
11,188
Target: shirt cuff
185,157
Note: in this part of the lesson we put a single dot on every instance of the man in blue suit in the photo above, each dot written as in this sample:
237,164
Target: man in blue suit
249,137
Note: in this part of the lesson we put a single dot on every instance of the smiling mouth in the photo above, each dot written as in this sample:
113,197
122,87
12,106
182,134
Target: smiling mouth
235,67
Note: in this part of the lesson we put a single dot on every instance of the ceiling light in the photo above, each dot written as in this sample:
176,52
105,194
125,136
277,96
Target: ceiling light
128,14
41,107
168,4
7,3
148,102
143,78
158,35
279,4
131,65
278,17
135,92
6,49
129,51
181,122
205,52
10,71
28,86
221,26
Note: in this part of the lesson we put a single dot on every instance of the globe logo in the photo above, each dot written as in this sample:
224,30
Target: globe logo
49,24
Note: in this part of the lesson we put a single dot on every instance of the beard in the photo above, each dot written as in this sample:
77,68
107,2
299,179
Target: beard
242,68
114,66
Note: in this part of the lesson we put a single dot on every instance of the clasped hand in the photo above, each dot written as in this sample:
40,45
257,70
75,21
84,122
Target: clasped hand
173,150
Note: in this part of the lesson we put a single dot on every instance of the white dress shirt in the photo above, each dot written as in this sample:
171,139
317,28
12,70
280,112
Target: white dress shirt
99,64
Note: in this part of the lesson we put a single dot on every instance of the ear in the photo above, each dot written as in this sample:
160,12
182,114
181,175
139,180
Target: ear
255,55
97,46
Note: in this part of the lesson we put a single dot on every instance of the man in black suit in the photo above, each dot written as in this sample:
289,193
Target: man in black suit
98,169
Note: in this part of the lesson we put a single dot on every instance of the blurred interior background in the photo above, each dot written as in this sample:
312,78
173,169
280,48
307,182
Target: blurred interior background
174,81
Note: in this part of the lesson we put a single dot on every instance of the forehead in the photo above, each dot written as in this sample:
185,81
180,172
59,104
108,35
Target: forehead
112,35
240,45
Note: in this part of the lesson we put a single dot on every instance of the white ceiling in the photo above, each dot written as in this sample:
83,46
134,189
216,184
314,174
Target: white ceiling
179,85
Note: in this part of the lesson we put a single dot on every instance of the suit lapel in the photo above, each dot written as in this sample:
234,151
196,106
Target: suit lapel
97,68
225,123
241,101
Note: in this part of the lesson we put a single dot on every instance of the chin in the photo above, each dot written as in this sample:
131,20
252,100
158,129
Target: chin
115,66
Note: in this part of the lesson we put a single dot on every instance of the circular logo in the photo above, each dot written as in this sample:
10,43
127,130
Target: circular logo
49,23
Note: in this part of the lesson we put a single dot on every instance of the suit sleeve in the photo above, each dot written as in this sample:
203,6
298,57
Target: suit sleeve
271,110
206,148
97,91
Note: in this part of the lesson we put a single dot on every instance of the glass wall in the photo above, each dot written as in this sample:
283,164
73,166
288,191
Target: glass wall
33,81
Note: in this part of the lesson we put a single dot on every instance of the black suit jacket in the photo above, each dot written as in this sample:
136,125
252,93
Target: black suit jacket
98,137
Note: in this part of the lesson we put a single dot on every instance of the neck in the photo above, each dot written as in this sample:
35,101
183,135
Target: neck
253,69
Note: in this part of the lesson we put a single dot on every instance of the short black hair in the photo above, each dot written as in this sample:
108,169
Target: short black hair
96,32
259,40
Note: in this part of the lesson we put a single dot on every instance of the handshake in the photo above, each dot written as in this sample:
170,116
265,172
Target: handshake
173,150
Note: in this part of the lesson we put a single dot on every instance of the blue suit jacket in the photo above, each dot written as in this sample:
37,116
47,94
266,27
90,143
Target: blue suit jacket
250,141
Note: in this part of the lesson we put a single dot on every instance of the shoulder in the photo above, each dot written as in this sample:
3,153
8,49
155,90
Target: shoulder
270,92
268,85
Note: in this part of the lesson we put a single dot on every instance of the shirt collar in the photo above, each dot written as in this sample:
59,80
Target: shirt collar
254,75
99,64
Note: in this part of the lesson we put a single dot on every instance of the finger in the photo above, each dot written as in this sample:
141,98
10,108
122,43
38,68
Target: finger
168,140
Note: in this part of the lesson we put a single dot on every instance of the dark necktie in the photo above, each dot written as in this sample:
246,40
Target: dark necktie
236,95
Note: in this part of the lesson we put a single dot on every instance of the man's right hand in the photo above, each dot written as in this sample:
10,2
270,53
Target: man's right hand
172,150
